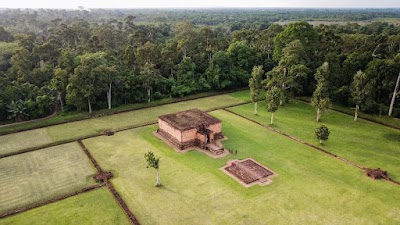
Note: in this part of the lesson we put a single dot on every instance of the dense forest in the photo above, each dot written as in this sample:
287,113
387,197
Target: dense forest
93,59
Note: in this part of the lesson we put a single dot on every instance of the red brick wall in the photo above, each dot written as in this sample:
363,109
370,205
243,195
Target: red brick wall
215,129
170,130
189,135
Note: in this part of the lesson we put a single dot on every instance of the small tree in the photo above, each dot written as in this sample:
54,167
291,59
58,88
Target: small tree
17,110
320,99
359,90
153,162
255,83
322,133
272,98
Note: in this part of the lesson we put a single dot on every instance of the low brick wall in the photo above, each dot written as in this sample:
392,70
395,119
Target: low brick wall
174,141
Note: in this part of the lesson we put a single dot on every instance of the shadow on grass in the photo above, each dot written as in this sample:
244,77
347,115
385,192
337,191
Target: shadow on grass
392,137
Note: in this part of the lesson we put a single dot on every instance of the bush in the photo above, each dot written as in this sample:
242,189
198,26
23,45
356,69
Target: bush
322,133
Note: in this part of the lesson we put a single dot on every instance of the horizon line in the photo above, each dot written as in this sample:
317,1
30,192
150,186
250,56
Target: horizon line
202,7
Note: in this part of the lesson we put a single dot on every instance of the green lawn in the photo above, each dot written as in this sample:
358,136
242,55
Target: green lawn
311,188
71,116
37,176
91,208
363,142
383,119
71,131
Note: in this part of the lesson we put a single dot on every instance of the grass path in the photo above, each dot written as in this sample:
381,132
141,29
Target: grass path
91,208
311,187
17,142
365,143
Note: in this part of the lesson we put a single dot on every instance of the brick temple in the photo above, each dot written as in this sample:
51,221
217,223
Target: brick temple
191,128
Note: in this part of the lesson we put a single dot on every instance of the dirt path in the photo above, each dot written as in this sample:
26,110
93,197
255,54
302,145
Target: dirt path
309,145
29,121
110,187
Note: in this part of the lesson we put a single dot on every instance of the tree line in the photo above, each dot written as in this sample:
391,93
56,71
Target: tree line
84,65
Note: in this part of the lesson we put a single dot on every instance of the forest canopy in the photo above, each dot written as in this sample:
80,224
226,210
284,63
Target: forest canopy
68,60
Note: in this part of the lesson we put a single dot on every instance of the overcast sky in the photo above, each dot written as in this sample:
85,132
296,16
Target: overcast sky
199,3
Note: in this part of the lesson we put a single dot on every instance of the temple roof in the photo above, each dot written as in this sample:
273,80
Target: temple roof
189,119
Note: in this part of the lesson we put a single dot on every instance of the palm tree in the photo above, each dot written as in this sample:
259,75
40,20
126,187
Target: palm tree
17,110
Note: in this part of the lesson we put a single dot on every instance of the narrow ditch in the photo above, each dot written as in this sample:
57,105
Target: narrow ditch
110,187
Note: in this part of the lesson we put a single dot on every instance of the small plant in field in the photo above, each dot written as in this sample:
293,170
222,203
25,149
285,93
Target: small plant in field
322,133
153,162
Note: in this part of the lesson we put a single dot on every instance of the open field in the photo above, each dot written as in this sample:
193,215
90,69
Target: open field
311,187
34,177
382,119
91,208
367,144
70,131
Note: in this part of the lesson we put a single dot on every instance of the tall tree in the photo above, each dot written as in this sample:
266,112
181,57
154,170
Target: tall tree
59,84
320,99
292,66
396,93
153,162
301,31
108,74
272,99
359,89
255,85
86,82
149,76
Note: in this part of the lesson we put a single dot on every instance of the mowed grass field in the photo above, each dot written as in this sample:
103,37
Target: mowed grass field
71,131
91,208
35,177
366,143
311,187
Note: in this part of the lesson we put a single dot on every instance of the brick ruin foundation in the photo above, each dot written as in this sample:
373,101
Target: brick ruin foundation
191,128
248,172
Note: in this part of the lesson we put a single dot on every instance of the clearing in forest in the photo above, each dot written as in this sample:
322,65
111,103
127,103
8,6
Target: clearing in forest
311,187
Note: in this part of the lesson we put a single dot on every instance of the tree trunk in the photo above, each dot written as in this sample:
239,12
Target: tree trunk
148,95
395,93
255,108
184,54
272,118
356,113
158,183
109,96
61,102
318,114
89,105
